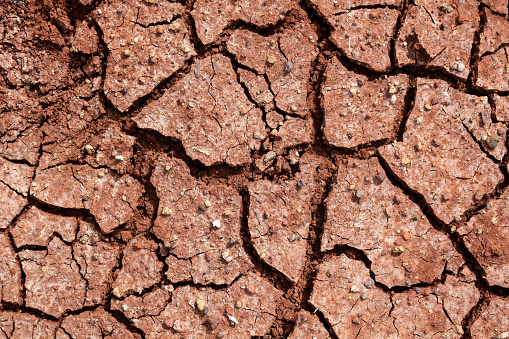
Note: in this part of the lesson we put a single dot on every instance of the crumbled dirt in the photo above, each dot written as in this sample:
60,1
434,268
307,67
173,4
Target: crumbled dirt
438,35
53,282
358,111
146,42
211,115
244,309
351,308
208,245
485,236
365,211
254,169
212,17
492,72
493,319
279,220
438,157
308,326
10,273
37,227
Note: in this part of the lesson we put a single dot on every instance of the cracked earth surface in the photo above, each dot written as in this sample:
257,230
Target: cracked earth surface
254,169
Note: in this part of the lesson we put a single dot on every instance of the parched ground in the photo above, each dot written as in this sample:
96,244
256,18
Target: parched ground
254,169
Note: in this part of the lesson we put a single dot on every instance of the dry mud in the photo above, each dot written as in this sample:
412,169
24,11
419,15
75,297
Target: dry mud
254,169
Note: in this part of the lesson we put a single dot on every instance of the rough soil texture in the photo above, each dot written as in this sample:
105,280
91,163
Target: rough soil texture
254,169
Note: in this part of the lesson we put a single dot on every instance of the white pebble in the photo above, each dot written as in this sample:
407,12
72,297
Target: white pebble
461,67
232,319
393,99
119,157
216,223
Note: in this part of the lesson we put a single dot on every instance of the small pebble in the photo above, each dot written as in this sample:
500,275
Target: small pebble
271,59
175,26
427,107
190,104
408,283
119,157
392,89
187,49
200,304
167,211
461,67
364,296
292,238
89,149
207,203
406,235
232,319
288,67
393,99
503,335
354,289
216,223
379,178
116,292
359,194
356,321
300,184
398,250
417,290
370,283
127,53
398,302
238,304
270,156
493,142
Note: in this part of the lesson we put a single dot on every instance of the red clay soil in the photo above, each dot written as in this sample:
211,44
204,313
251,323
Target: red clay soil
254,169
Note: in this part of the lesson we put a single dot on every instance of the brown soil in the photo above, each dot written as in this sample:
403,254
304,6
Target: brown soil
254,169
